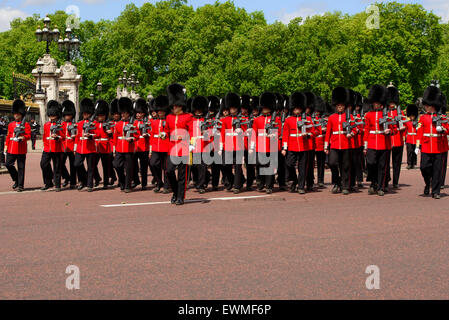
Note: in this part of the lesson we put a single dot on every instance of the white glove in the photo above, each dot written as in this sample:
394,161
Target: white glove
440,129
191,148
417,151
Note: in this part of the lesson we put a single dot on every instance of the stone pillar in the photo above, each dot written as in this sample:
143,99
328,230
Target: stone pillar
69,82
50,84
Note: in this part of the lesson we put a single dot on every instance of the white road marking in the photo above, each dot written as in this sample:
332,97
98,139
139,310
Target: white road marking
187,201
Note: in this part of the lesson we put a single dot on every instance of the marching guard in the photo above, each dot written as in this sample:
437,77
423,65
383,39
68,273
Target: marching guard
142,155
69,127
103,137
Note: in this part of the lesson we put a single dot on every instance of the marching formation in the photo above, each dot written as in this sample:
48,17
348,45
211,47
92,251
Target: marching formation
278,139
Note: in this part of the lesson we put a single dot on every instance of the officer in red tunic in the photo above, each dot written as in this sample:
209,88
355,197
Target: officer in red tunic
179,125
125,137
432,141
248,119
297,142
358,157
199,139
70,129
160,144
19,132
265,141
397,140
53,140
311,99
320,122
215,140
103,137
377,140
411,135
142,155
85,145
282,114
116,117
339,141
232,145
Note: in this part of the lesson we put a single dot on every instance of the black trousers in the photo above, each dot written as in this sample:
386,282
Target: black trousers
33,140
267,170
178,184
396,155
2,147
235,180
112,172
105,163
357,165
158,165
310,179
432,170
377,164
200,172
141,160
19,174
282,167
124,164
250,169
86,178
216,169
49,176
340,165
298,160
65,174
320,165
444,169
412,158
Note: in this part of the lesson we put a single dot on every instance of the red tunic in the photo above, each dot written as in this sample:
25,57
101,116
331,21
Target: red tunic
260,139
159,143
336,136
179,127
143,142
397,140
51,144
200,140
320,136
428,137
85,145
292,138
17,147
102,139
374,137
411,132
69,141
121,144
230,139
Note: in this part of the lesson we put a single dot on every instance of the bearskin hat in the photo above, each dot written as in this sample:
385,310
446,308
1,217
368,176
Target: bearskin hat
279,101
298,100
320,105
358,99
232,100
214,103
102,108
160,103
87,106
18,106
114,106
378,93
176,95
140,106
286,101
392,95
412,110
125,105
311,100
68,108
200,103
268,100
53,108
340,95
255,102
351,98
432,97
443,103
246,101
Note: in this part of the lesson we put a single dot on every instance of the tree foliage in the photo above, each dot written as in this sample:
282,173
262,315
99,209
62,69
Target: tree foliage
219,48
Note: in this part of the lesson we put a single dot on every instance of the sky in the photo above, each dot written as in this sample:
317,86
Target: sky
279,10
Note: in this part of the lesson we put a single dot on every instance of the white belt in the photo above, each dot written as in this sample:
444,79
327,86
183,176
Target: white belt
338,132
84,139
320,136
102,139
377,132
262,135
142,137
69,138
122,138
412,134
232,134
432,135
296,135
200,137
50,138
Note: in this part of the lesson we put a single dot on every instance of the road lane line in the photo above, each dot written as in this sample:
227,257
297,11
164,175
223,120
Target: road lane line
187,201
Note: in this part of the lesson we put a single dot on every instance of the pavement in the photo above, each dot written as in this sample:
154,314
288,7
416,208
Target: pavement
221,246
